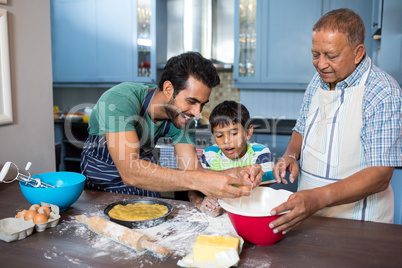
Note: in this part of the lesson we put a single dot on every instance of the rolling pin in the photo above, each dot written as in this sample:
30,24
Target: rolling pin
121,234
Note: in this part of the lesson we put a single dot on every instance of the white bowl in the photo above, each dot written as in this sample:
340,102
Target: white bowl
259,204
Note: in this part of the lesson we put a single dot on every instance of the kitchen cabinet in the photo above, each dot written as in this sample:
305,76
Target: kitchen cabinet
376,17
272,49
273,41
390,45
107,41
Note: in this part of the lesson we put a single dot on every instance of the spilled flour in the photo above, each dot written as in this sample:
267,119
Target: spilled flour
177,234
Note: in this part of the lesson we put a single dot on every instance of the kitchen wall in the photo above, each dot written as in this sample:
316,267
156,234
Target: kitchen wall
225,91
278,104
31,136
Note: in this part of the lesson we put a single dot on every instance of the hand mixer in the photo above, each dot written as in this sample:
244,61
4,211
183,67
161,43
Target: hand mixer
34,182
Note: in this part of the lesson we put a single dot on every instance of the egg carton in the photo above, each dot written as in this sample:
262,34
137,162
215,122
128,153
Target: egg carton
12,229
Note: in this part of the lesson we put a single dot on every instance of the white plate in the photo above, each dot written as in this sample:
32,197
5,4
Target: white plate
259,204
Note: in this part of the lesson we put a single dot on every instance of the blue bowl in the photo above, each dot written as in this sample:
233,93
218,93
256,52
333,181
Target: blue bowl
69,186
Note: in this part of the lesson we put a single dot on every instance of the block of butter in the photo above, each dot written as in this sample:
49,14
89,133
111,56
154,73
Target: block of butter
206,246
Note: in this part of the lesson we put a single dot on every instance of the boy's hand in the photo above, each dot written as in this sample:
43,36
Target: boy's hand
211,207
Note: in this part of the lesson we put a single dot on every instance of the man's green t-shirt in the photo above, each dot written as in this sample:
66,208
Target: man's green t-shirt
118,110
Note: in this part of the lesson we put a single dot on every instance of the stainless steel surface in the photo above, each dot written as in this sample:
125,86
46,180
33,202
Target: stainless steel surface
205,26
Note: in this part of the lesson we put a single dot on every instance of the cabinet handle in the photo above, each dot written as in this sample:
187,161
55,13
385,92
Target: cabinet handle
375,24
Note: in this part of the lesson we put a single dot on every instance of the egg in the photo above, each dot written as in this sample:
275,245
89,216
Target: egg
45,210
39,218
244,188
30,215
21,213
35,207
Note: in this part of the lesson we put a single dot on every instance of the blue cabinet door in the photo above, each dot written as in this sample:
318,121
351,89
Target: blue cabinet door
248,42
282,44
115,35
283,41
390,59
396,183
102,41
286,50
73,41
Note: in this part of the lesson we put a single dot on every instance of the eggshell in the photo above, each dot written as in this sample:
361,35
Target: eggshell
39,218
244,188
21,213
45,210
35,207
30,215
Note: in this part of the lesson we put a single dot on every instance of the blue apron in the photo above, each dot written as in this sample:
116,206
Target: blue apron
98,167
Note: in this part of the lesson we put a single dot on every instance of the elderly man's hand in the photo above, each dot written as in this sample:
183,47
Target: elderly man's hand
300,205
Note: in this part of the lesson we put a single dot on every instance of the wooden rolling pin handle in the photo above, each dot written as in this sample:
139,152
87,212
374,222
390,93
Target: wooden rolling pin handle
121,234
154,247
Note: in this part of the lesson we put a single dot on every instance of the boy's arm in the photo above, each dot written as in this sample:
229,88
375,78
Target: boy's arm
264,158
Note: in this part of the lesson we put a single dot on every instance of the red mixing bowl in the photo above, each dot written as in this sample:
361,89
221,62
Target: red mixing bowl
251,216
255,230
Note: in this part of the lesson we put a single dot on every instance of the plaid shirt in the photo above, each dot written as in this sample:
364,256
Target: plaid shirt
381,133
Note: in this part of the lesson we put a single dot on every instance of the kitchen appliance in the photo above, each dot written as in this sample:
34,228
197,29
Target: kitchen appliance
27,179
205,26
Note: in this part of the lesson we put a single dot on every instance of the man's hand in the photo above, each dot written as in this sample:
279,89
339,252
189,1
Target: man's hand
252,173
221,184
300,205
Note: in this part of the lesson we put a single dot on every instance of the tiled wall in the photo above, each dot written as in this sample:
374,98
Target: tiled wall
225,91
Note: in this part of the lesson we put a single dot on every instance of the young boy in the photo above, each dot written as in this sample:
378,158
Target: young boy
229,122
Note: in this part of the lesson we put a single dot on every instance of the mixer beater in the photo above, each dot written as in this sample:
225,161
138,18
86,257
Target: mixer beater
33,182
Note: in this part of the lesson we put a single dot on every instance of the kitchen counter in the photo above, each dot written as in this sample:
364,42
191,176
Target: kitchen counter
317,242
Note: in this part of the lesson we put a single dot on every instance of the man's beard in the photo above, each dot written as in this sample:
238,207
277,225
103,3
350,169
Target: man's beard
174,114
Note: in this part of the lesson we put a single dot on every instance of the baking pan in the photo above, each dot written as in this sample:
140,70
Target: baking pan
140,224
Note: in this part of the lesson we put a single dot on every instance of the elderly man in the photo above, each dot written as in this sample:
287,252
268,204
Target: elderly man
348,134
129,118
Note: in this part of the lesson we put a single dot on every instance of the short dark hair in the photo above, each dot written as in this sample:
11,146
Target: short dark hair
229,112
345,21
180,68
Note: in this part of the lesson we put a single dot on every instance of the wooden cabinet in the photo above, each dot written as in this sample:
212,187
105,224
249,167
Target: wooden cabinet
107,41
